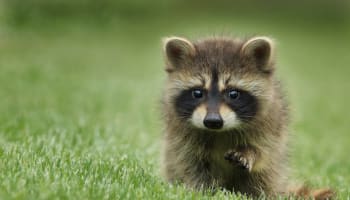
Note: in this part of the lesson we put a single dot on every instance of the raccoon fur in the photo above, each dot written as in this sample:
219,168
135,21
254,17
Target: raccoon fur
226,118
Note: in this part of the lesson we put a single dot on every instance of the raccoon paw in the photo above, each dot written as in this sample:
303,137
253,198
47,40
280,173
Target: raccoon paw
239,159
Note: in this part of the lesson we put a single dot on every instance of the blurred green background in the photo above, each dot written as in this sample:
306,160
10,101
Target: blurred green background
80,83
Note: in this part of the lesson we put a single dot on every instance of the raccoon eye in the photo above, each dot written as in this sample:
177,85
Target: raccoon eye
233,94
197,93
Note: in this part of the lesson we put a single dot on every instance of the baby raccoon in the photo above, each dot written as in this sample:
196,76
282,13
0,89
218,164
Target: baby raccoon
226,118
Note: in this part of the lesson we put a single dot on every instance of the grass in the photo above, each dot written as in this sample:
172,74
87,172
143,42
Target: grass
79,116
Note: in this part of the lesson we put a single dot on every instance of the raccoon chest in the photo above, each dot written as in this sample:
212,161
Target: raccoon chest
220,168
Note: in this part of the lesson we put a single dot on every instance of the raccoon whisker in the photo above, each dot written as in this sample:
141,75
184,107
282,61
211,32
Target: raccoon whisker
247,116
231,117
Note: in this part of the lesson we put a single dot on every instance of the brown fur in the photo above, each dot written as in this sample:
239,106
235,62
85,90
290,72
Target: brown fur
197,157
305,192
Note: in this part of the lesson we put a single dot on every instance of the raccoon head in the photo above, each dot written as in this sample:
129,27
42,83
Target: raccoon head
219,84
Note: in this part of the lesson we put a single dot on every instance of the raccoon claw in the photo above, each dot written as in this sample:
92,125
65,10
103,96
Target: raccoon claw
238,159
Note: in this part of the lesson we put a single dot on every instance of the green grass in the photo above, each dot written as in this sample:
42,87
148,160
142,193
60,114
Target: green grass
79,106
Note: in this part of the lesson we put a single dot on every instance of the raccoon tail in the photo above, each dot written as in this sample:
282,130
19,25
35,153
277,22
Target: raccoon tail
304,192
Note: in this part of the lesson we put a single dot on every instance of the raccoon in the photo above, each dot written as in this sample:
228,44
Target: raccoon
226,117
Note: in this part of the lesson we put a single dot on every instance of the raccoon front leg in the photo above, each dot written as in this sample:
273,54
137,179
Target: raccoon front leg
198,176
244,157
192,172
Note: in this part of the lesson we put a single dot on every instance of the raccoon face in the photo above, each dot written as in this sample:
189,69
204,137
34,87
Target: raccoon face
214,109
218,84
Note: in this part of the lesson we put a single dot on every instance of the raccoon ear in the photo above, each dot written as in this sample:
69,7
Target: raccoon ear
259,50
178,51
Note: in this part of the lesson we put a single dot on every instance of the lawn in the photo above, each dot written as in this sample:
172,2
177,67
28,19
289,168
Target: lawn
80,117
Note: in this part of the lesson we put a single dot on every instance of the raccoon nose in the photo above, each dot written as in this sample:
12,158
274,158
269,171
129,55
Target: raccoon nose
213,121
